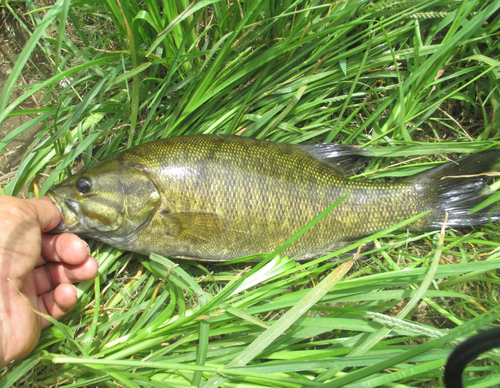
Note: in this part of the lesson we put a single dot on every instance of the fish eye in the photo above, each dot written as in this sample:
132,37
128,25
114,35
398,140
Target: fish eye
83,185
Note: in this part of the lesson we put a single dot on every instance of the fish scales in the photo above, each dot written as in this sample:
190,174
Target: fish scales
263,193
216,198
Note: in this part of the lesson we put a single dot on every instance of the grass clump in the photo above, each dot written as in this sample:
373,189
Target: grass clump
412,80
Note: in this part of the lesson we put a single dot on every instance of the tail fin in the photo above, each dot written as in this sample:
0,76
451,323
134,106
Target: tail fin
458,187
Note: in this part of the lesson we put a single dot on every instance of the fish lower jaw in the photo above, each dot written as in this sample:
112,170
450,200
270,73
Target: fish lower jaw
70,220
64,227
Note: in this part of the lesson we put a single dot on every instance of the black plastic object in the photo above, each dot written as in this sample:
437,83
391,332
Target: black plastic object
466,352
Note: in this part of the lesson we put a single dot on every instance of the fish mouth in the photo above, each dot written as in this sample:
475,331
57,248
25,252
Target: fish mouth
70,213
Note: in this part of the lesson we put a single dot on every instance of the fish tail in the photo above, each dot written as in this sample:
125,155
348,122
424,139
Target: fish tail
457,187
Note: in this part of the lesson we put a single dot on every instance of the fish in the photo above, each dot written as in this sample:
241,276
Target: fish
222,197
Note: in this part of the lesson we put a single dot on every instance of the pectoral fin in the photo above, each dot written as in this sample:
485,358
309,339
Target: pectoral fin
194,228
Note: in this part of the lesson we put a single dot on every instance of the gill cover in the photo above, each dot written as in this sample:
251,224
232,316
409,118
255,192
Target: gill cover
111,201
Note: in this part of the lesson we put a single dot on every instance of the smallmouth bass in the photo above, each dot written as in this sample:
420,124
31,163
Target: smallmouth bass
220,197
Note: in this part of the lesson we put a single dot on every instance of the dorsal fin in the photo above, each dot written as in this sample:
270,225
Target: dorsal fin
344,158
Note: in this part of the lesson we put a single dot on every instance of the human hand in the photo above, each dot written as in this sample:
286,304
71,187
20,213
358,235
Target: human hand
41,266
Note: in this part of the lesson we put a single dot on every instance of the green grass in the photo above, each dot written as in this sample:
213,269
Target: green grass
416,81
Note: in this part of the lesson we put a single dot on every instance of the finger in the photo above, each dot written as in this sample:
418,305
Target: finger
51,275
41,261
66,248
46,213
57,302
20,238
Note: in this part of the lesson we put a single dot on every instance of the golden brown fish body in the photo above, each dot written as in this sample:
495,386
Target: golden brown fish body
216,198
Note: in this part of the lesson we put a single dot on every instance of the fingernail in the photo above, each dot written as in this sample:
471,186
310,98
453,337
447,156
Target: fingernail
88,248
